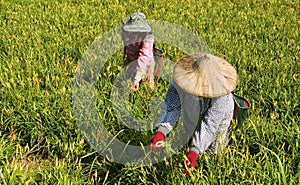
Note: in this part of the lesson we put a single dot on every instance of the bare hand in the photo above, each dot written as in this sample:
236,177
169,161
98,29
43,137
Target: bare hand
135,86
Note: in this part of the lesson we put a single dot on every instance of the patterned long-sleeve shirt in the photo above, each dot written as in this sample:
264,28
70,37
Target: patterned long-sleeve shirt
210,117
139,50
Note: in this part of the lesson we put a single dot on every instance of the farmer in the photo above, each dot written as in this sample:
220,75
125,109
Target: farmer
201,93
138,51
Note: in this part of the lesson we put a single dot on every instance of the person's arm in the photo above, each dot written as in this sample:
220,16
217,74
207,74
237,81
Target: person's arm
145,60
170,111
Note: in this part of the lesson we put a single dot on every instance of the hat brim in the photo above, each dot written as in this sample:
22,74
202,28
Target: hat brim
137,28
215,76
140,27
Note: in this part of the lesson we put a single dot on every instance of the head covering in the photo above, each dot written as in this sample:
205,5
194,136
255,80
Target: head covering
205,75
136,23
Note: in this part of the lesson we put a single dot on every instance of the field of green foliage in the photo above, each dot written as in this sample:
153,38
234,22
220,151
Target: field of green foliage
41,45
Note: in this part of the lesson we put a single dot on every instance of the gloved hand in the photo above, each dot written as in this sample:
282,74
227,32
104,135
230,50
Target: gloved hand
189,162
157,141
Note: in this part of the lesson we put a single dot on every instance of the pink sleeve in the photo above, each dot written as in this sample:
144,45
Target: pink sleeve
145,65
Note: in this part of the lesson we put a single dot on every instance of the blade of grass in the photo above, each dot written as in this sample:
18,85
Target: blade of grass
279,161
2,178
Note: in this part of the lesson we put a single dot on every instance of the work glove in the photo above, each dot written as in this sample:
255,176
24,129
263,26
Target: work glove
157,141
189,163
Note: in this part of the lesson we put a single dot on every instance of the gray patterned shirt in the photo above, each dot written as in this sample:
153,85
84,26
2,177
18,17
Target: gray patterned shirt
209,117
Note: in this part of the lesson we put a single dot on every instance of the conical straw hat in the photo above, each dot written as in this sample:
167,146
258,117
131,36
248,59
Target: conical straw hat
205,75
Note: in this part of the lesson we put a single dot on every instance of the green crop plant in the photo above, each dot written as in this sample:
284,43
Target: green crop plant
41,45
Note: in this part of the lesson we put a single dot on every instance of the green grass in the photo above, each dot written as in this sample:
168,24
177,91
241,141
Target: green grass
42,42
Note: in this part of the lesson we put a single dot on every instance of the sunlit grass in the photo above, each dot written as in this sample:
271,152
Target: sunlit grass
42,42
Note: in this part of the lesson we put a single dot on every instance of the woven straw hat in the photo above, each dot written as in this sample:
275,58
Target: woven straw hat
205,75
136,23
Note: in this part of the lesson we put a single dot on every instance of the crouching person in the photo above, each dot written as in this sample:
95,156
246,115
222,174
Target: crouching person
138,49
201,93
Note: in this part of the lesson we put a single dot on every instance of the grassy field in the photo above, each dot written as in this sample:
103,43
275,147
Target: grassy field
41,45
